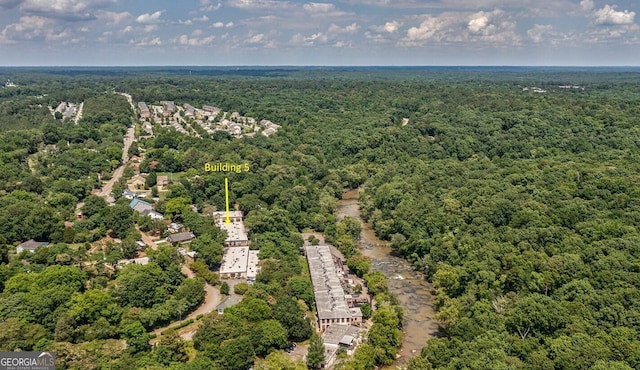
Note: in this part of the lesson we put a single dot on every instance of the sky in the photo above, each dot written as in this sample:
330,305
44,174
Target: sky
338,32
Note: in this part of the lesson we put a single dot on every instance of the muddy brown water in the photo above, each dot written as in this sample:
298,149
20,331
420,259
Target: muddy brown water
412,290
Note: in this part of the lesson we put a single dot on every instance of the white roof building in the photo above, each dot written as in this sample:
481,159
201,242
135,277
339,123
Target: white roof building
236,233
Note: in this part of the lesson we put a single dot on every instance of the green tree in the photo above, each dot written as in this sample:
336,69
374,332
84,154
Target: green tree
138,285
93,205
376,282
301,288
315,353
366,311
165,256
237,353
136,336
119,219
359,264
209,250
88,307
241,288
151,179
224,288
267,336
279,360
170,348
349,226
192,291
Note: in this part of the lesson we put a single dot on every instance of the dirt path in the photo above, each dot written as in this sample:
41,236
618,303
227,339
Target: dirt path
105,192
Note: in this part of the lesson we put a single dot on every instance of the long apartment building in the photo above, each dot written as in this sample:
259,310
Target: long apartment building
331,304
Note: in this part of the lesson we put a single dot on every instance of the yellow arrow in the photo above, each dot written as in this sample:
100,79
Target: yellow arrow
226,196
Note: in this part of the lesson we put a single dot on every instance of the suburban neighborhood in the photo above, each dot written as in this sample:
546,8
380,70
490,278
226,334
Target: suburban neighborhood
197,122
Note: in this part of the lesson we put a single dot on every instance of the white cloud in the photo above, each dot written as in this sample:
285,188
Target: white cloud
628,33
149,18
150,28
112,18
258,4
390,27
62,9
221,24
256,39
480,29
314,39
431,28
194,41
335,29
539,32
609,16
206,6
204,18
34,28
587,5
156,41
480,21
319,7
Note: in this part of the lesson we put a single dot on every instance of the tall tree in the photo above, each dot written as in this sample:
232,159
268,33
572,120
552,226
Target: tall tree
315,353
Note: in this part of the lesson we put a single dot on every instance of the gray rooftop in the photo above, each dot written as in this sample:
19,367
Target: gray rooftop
228,302
181,237
235,229
334,334
330,301
234,260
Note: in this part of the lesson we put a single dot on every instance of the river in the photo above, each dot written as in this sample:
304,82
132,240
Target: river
412,290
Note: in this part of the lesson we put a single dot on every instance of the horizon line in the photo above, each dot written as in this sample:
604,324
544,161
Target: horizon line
323,66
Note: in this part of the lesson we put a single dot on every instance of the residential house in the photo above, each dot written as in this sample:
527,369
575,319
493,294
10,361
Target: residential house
181,238
30,245
169,107
144,110
189,256
189,111
153,214
210,109
268,132
145,209
135,261
162,182
137,182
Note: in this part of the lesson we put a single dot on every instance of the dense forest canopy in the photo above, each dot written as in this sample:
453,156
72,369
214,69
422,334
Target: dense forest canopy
514,190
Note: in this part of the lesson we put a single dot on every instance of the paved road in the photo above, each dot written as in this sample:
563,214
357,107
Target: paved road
79,114
105,192
211,300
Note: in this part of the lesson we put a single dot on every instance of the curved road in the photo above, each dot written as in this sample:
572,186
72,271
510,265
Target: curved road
211,299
